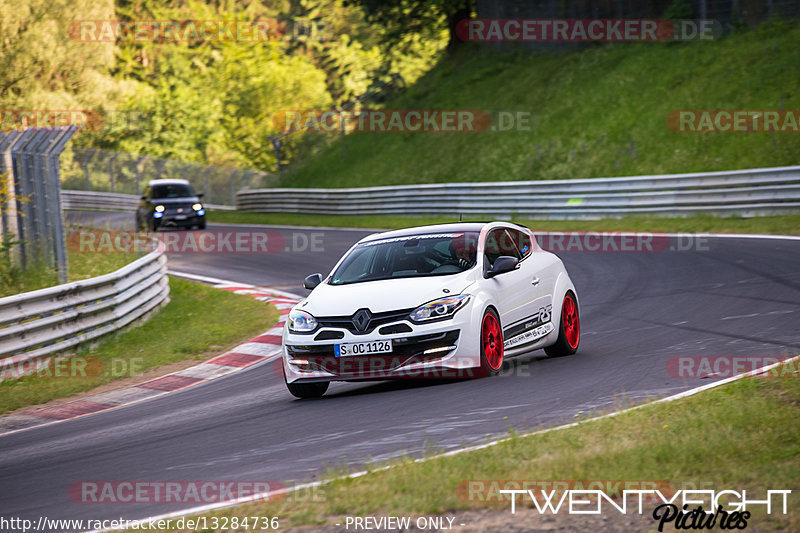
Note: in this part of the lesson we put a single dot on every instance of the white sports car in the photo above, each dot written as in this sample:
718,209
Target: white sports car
444,301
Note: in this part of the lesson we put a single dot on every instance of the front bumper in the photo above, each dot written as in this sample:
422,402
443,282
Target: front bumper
434,350
176,220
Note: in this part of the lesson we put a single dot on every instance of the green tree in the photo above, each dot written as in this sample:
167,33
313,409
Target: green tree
43,68
423,17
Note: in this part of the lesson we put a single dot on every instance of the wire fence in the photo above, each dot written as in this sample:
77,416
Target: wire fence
93,169
30,203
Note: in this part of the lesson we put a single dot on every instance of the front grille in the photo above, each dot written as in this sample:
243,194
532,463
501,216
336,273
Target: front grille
405,350
172,210
378,319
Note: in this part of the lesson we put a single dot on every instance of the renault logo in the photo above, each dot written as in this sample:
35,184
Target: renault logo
361,320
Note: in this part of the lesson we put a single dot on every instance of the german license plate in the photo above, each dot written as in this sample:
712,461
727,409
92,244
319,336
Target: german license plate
180,217
363,348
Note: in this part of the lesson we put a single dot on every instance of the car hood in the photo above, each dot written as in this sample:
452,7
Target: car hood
174,201
382,296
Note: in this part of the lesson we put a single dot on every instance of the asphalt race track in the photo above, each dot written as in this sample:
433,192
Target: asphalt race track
723,297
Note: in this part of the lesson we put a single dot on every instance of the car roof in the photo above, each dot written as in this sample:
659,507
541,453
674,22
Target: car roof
437,228
168,181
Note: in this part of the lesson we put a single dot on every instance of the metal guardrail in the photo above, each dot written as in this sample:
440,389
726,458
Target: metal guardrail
107,201
98,170
38,323
746,192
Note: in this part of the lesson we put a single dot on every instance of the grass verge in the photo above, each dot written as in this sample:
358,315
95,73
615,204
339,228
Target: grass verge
196,324
14,280
593,111
84,265
743,435
783,224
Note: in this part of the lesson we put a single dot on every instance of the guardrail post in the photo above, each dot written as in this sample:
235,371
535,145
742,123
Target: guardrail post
111,171
22,184
138,172
8,207
55,206
160,168
207,195
233,187
42,219
276,145
85,164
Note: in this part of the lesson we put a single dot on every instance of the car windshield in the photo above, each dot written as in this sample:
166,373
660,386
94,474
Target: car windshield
172,190
435,254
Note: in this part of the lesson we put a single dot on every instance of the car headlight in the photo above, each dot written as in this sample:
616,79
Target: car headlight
301,322
197,207
160,208
440,308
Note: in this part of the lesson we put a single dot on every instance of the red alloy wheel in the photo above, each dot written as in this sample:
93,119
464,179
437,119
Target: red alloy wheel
492,341
570,321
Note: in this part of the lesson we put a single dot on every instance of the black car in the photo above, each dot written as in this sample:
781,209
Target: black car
170,203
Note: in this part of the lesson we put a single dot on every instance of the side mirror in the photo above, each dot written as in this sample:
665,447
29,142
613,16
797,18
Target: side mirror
143,197
312,281
199,195
503,264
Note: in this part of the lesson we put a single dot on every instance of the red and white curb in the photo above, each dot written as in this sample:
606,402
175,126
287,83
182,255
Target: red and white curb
262,348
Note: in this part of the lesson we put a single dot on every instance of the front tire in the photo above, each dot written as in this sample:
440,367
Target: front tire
491,344
141,225
569,331
308,390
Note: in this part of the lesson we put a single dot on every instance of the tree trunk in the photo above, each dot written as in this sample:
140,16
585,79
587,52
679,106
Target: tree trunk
463,11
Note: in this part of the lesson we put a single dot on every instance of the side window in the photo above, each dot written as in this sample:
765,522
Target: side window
523,242
500,242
